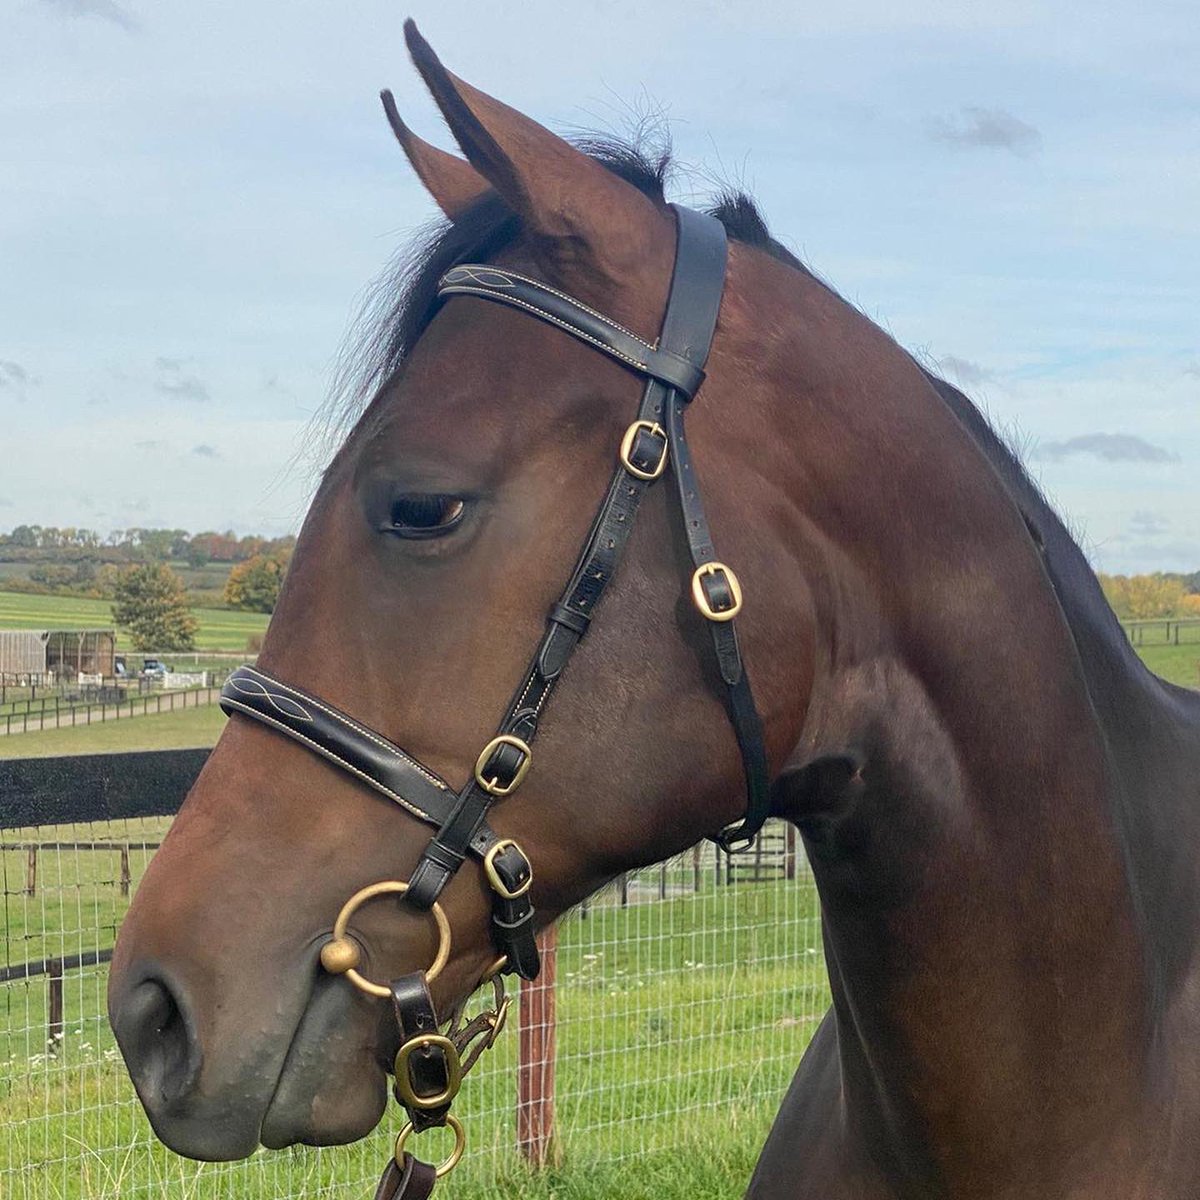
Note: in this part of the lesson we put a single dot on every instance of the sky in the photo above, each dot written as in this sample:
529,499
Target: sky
193,198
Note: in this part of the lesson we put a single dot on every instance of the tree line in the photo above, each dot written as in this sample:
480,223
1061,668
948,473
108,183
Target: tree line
138,570
1157,596
36,543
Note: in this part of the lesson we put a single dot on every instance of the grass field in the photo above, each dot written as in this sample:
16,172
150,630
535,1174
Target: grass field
170,731
1177,664
680,1024
220,629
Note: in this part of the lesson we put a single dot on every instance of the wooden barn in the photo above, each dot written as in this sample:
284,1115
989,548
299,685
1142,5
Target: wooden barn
57,651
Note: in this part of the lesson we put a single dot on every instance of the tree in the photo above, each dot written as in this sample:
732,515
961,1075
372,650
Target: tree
1144,597
254,585
152,603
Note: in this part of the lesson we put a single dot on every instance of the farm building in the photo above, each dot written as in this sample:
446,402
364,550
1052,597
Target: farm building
57,651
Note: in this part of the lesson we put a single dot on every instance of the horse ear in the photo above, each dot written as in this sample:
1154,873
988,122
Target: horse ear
578,207
454,184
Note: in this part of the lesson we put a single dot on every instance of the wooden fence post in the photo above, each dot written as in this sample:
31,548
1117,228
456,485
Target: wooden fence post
31,871
125,878
535,1069
54,1021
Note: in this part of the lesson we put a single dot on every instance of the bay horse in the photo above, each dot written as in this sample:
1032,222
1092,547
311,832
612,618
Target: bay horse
999,802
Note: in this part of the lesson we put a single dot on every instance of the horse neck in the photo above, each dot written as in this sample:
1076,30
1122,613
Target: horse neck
1151,729
981,928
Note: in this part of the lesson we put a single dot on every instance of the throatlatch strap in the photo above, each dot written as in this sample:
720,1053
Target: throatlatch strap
741,707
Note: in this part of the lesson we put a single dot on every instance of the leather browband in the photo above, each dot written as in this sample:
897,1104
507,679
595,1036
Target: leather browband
556,308
674,370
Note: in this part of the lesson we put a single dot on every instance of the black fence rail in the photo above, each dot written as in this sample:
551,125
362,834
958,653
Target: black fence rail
95,787
82,788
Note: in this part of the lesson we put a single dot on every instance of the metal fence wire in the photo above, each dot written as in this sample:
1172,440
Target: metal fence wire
684,997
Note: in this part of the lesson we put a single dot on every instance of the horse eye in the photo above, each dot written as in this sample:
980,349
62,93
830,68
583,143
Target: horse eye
423,515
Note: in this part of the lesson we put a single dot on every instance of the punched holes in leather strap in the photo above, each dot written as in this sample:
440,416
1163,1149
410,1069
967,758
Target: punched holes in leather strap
428,1070
716,591
644,450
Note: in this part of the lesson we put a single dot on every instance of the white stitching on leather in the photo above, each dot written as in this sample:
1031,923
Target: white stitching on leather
317,748
462,289
537,283
395,751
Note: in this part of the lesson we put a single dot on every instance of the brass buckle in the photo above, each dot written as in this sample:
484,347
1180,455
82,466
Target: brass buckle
701,598
490,785
654,429
493,876
449,1163
404,1088
342,954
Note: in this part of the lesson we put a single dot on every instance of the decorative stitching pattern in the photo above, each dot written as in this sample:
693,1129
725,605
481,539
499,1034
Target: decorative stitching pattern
317,748
509,277
283,704
574,330
389,747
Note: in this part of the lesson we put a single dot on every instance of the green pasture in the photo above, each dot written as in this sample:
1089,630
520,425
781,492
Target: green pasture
220,629
680,1024
168,731
1176,664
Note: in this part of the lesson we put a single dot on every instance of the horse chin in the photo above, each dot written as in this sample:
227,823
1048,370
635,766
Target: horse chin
332,1088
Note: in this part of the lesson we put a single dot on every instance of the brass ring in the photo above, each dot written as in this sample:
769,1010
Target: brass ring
448,1164
341,955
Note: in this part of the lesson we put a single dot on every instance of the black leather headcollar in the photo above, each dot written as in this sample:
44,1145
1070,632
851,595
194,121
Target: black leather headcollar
674,370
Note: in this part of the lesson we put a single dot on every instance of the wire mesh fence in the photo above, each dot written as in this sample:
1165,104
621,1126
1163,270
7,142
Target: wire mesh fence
685,995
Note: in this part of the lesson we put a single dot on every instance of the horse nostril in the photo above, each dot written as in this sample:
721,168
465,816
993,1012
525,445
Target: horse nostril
156,1039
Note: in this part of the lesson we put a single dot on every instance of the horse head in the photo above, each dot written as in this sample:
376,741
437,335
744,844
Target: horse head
441,533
